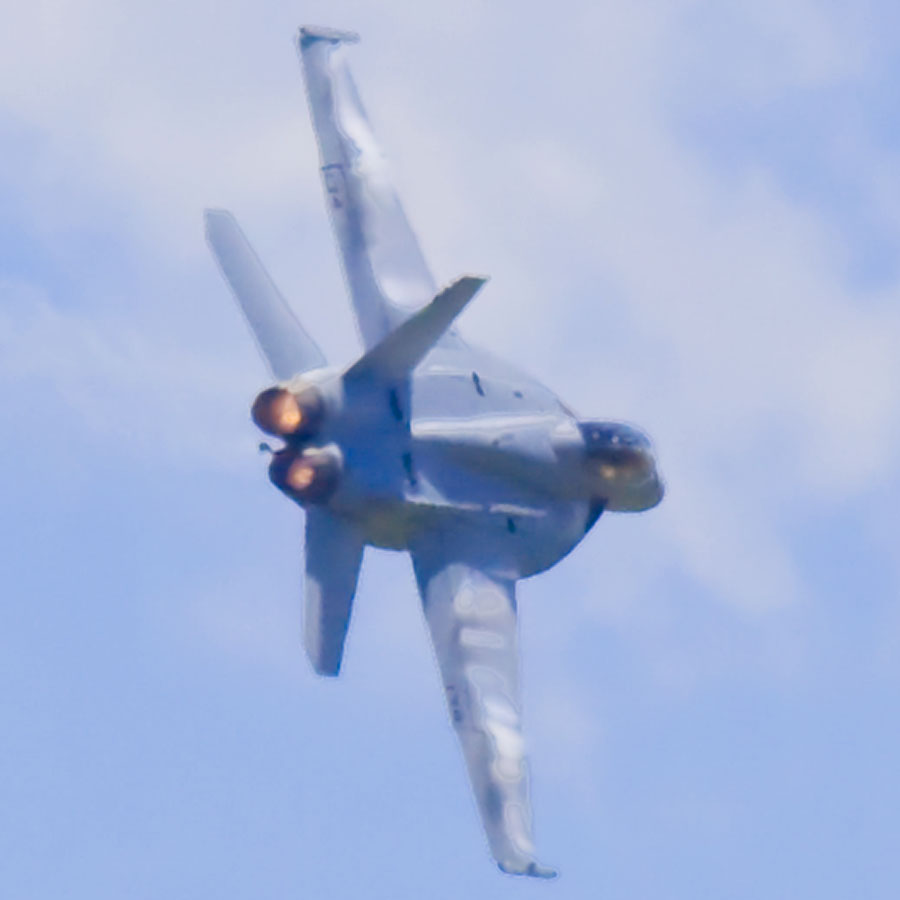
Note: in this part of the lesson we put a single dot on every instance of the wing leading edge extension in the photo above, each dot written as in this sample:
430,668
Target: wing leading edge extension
471,616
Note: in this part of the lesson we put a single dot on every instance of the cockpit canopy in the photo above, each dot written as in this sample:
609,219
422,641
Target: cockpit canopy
620,464
609,439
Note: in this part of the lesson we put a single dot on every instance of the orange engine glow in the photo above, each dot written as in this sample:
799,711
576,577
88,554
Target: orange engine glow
277,411
307,477
300,475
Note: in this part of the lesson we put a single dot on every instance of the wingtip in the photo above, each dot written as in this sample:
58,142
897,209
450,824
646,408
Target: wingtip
214,217
531,870
461,291
471,283
329,669
309,34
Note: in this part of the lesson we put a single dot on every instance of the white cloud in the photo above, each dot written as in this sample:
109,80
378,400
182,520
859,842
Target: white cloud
759,50
157,400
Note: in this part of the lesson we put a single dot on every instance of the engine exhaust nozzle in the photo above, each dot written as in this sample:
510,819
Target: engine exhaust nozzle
307,477
280,412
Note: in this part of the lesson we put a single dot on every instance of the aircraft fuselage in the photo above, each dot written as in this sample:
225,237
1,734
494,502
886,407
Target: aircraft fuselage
518,469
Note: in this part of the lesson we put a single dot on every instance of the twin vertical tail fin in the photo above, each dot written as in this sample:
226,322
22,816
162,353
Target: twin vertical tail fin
334,553
282,340
395,356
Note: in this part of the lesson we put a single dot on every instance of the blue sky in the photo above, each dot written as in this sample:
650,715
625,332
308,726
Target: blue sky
690,214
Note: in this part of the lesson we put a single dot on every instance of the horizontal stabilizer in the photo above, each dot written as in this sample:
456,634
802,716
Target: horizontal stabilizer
405,347
286,346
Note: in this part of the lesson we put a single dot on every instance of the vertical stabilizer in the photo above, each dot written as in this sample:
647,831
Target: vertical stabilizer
282,340
333,557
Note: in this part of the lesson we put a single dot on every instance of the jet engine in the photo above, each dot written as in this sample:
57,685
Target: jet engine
285,413
308,476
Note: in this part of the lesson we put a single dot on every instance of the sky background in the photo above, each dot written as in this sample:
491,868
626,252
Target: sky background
691,215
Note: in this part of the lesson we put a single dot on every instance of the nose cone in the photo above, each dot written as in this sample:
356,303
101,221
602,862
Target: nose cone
621,465
656,490
615,449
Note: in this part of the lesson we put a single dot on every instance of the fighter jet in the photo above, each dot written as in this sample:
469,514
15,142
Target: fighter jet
425,444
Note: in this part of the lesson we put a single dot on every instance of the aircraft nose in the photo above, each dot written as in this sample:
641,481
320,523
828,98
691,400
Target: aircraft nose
659,492
632,437
600,437
616,445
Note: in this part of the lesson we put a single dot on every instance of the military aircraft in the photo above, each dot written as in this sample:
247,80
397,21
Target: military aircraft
424,444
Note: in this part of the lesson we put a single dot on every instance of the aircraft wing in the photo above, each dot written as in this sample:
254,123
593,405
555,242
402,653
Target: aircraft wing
471,616
385,270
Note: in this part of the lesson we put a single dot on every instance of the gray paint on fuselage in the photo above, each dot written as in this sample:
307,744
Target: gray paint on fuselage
452,487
